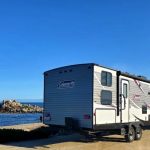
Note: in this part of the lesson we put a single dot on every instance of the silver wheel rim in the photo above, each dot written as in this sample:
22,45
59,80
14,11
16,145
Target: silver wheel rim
131,135
138,135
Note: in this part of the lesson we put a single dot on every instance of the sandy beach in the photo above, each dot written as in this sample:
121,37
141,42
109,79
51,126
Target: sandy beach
25,127
76,141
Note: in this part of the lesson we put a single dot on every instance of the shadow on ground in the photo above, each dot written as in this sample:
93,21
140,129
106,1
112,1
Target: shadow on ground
13,135
57,139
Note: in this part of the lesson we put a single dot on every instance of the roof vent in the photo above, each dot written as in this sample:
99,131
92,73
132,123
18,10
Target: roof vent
142,77
46,74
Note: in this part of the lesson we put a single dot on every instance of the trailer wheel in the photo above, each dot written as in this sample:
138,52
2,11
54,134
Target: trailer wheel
138,133
130,136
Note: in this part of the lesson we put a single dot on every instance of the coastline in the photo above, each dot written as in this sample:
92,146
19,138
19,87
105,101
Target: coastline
11,119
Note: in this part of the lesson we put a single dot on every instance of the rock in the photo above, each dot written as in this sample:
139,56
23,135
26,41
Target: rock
12,106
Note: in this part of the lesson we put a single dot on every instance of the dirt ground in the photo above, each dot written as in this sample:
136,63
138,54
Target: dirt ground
78,142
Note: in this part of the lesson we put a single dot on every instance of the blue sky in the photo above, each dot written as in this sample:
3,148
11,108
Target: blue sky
38,35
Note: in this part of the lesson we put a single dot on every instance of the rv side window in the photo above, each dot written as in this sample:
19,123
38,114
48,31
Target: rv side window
144,109
106,78
125,90
106,97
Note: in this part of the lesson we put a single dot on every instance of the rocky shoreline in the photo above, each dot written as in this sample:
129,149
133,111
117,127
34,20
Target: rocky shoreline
13,106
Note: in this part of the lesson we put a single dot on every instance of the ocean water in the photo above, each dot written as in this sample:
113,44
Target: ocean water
16,118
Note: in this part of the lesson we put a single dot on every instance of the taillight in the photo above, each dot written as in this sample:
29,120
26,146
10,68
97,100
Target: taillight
47,116
87,116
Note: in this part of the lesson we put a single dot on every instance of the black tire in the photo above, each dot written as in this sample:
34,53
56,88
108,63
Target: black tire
138,133
130,136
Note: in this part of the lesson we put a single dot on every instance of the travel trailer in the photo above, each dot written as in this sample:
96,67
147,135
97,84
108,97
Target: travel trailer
96,98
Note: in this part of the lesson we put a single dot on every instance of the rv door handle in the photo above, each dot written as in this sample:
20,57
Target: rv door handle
124,102
124,99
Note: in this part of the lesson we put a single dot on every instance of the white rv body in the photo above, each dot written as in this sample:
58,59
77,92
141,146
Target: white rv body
95,96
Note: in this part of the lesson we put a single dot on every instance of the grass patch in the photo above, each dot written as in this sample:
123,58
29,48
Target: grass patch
12,135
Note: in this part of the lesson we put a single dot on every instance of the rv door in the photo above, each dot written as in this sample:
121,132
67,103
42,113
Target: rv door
124,102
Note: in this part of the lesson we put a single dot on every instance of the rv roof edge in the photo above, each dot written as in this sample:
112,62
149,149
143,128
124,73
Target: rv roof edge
94,64
135,77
